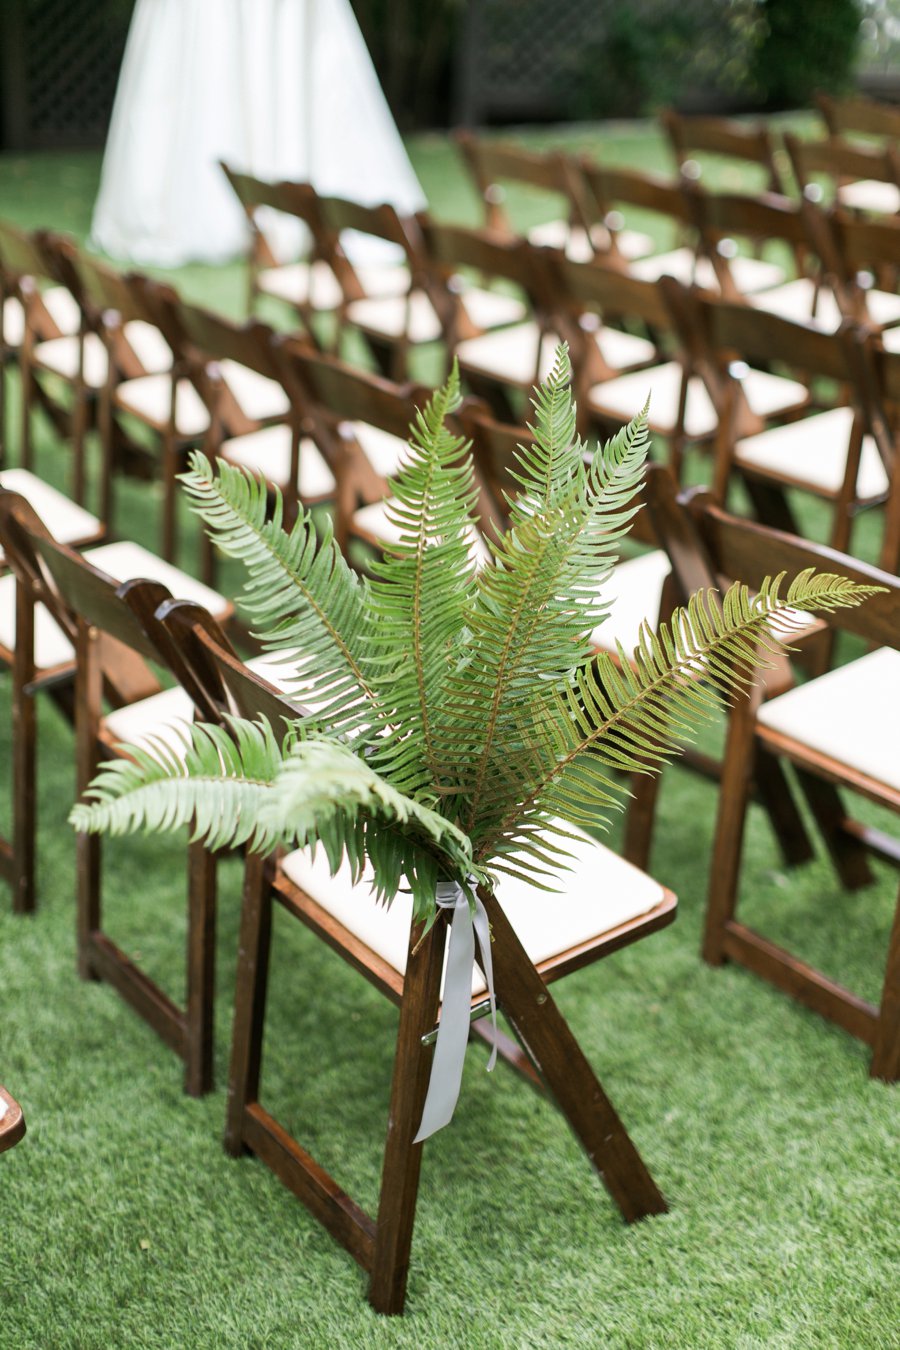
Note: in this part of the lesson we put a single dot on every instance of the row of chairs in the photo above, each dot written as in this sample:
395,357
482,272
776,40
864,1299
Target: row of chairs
705,546
272,403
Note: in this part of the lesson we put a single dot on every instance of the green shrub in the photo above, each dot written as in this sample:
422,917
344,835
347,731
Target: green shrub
806,47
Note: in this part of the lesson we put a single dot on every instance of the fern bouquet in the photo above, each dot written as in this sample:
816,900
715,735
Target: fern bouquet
463,721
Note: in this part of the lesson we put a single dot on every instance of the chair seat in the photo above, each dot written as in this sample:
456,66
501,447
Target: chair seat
510,355
795,300
560,234
61,355
63,309
268,452
749,274
122,561
634,594
813,453
13,316
68,522
149,398
302,283
373,523
623,398
384,451
414,316
599,894
849,715
258,397
868,194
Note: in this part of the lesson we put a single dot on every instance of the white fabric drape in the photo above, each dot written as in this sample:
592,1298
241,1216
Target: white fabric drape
278,88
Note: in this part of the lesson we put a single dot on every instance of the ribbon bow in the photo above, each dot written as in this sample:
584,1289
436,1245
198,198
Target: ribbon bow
453,1029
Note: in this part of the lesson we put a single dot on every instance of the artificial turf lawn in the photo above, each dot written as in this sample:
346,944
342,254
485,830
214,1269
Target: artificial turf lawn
124,1223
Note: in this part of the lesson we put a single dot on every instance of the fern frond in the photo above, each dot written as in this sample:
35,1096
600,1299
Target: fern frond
421,589
215,781
301,592
630,716
545,468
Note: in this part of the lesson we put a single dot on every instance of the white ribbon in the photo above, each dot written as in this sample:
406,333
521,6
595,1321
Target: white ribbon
453,1029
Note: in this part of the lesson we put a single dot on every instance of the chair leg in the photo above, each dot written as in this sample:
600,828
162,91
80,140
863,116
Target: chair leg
403,1158
847,852
886,1053
87,907
26,390
250,999
201,953
787,822
24,719
640,818
550,1043
734,799
169,472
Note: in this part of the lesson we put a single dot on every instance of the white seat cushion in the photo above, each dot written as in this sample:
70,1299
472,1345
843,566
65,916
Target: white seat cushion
491,309
13,317
384,451
268,452
625,397
748,274
149,346
121,561
63,309
794,301
560,234
599,893
61,357
394,316
258,397
149,398
849,714
634,594
164,717
374,523
66,520
302,283
509,355
868,194
813,452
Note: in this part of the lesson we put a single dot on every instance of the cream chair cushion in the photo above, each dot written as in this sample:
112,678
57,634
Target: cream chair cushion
149,398
61,355
850,715
66,520
258,397
510,355
748,274
384,451
868,194
302,283
795,299
600,893
414,315
634,595
13,330
268,452
813,452
623,398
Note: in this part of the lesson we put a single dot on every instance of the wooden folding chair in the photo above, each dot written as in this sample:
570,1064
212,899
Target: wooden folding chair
838,731
834,171
720,139
681,410
37,643
829,453
108,625
860,122
405,964
555,177
862,257
875,373
35,309
12,1121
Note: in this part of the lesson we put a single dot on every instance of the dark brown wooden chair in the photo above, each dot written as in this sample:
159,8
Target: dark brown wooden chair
720,139
405,965
681,410
828,453
838,731
12,1121
36,309
860,122
862,256
857,178
37,644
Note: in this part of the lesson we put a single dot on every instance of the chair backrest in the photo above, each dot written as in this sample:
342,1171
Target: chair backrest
707,545
724,139
493,163
292,199
615,188
876,383
22,253
839,162
382,222
25,261
859,116
768,218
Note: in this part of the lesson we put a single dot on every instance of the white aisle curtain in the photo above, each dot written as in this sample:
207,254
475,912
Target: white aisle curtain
282,89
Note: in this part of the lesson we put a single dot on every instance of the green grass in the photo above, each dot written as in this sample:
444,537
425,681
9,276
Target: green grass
122,1222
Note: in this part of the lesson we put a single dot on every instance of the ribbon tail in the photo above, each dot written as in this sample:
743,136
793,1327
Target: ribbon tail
483,933
453,1030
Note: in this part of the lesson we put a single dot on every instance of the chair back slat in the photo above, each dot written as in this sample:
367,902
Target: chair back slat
838,161
860,116
22,254
91,595
723,137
